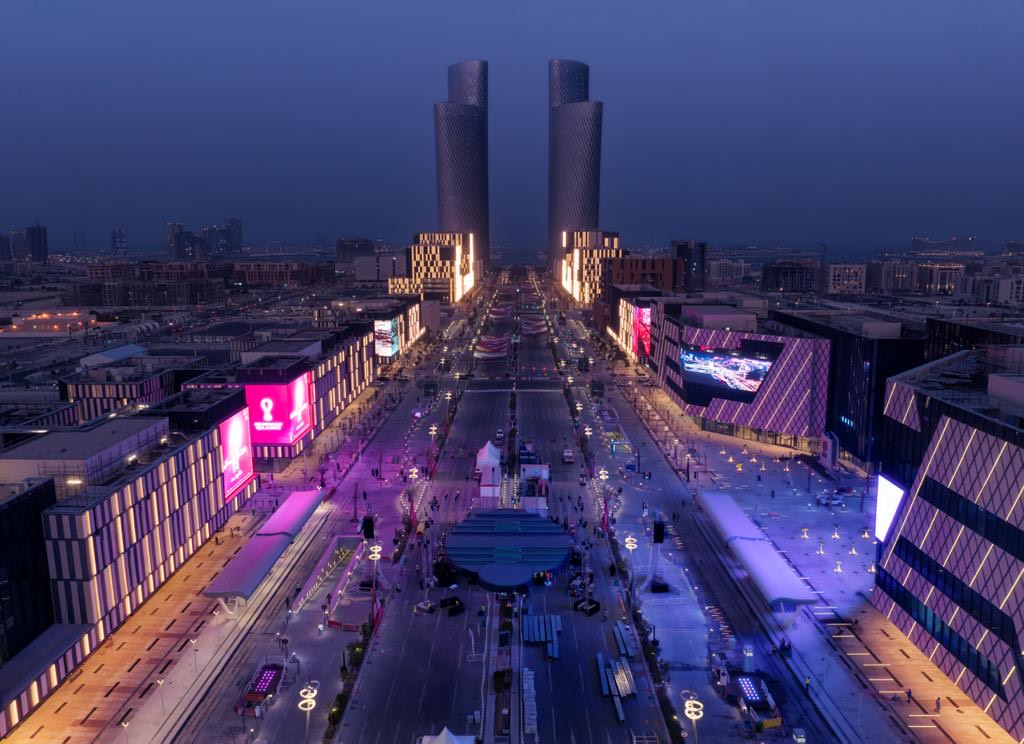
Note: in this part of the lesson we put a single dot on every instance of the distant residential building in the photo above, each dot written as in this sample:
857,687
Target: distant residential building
694,257
171,242
660,272
1013,248
890,276
118,241
955,245
441,265
283,273
347,250
938,277
80,244
380,267
584,253
845,279
796,275
727,272
145,293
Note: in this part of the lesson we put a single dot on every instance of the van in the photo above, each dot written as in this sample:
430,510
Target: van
799,736
567,456
499,436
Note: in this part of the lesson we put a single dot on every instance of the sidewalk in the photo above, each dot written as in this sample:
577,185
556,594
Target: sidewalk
844,633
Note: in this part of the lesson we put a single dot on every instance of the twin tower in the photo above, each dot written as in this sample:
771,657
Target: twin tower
574,153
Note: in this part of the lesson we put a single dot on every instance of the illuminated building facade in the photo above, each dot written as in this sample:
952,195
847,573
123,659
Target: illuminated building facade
737,381
584,256
310,376
397,321
136,498
628,320
574,152
440,265
460,129
951,523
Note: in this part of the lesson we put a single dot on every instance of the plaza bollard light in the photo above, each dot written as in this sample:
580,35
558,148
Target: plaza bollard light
124,725
839,567
195,655
803,533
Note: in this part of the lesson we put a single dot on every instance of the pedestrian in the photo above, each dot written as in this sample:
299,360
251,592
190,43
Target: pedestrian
910,696
938,705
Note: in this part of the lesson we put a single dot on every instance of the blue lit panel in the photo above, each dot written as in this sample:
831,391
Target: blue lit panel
750,692
890,496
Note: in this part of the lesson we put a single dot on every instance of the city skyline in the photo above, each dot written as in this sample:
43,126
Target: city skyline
733,130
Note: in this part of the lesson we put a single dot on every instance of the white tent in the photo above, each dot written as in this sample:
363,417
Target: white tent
488,461
447,737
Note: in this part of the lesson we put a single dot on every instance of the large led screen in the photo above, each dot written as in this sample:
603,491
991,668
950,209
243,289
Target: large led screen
642,331
889,498
732,374
385,337
235,453
280,414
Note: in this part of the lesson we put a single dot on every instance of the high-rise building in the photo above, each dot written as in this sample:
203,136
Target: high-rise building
694,256
19,245
118,241
234,226
793,275
217,239
574,153
80,243
440,265
36,243
460,127
586,254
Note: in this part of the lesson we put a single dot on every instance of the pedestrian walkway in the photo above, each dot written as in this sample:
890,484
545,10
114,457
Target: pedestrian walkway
867,662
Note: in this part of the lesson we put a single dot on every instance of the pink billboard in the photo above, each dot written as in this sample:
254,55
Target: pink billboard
235,453
280,414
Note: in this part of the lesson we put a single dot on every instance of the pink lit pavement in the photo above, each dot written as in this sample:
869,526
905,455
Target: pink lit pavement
854,657
204,683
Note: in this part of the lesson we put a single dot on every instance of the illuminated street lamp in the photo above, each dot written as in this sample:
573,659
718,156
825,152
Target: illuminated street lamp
603,475
307,703
163,705
414,474
569,379
692,709
433,430
448,396
124,725
373,558
588,431
630,543
195,655
579,407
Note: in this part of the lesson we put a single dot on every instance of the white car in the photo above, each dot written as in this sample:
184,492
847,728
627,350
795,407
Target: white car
568,457
499,436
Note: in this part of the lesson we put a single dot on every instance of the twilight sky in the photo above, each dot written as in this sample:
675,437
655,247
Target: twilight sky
859,124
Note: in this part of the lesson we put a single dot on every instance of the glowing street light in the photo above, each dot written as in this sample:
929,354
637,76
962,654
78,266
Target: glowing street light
579,406
694,710
588,431
307,703
433,430
631,545
448,396
569,379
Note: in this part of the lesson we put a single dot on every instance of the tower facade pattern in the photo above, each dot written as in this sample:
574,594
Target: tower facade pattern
574,153
460,126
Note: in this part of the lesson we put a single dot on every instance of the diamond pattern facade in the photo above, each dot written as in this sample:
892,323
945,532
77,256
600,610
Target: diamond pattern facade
792,399
460,126
574,153
950,571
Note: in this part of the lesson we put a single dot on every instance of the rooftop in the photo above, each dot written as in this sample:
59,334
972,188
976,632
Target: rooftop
81,444
963,380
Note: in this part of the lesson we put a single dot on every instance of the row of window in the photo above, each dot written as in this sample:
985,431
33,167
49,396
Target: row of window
985,523
974,604
977,663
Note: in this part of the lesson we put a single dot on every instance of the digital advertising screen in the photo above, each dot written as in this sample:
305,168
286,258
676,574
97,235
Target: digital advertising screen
890,496
280,414
642,331
235,453
729,374
385,337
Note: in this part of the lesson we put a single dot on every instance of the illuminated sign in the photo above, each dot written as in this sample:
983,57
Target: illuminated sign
235,453
280,414
890,496
385,337
642,331
728,374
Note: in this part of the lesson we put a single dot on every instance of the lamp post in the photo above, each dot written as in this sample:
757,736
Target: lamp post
570,379
124,725
163,704
306,704
692,709
374,557
195,655
603,475
630,543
